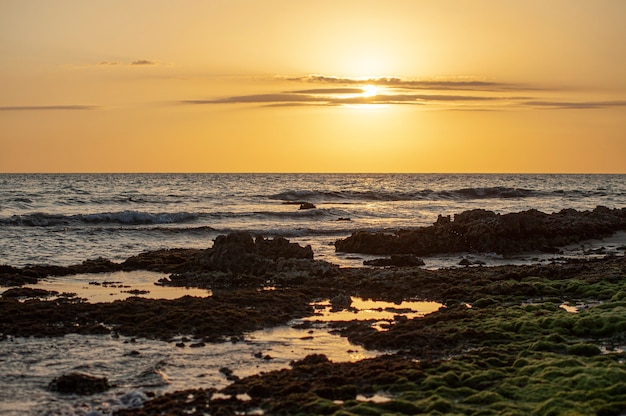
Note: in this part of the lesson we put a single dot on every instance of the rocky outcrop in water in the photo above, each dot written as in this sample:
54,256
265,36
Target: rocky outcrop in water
233,257
241,252
485,231
241,260
78,383
398,260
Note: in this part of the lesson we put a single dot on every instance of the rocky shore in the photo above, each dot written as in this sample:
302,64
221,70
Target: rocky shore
481,231
543,339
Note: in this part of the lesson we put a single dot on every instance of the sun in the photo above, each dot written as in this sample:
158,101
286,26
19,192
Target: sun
369,90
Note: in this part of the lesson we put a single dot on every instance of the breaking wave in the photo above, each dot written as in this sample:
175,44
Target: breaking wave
146,218
425,194
123,217
495,192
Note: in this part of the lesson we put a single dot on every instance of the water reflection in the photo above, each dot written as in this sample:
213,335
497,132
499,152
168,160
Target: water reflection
371,310
108,287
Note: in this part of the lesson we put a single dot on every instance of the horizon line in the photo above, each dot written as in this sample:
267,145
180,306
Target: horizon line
300,173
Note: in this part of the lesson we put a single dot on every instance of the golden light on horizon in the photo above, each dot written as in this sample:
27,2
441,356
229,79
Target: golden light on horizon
370,90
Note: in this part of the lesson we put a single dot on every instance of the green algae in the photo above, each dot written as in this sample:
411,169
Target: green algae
554,371
546,383
584,349
364,409
601,321
400,407
484,398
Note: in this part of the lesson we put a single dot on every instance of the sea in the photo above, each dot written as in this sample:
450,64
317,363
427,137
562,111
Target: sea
64,219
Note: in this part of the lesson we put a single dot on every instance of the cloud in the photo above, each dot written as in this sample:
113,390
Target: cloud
48,107
331,91
584,105
137,62
257,98
459,94
143,62
339,98
435,84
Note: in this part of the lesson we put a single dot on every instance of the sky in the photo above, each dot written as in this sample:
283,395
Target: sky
447,86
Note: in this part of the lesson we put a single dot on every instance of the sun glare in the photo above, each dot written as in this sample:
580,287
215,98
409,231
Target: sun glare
369,90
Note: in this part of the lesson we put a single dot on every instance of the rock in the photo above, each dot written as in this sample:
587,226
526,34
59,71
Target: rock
240,252
311,360
340,302
465,262
306,205
167,261
377,262
484,231
243,260
225,315
398,260
402,260
23,292
229,374
78,383
441,220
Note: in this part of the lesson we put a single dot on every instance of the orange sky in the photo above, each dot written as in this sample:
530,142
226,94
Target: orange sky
312,86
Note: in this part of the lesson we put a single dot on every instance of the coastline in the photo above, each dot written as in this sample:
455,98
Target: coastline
541,338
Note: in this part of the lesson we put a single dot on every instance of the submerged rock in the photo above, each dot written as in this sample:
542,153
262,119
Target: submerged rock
78,383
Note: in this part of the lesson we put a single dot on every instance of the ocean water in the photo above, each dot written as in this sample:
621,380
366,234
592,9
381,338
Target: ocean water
66,218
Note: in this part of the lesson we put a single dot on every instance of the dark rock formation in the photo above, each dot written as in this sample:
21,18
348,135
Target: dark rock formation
307,205
485,231
241,253
233,255
398,260
23,292
13,276
241,260
78,383
225,314
340,302
167,261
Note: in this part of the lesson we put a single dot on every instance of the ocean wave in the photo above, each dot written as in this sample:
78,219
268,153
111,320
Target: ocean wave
122,217
293,214
301,213
421,195
131,218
